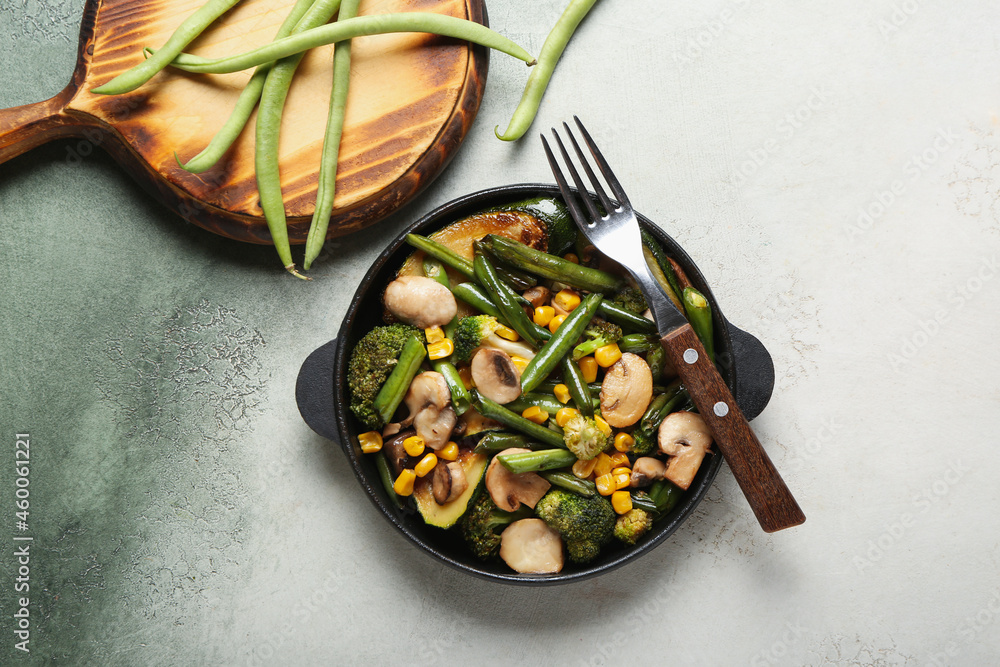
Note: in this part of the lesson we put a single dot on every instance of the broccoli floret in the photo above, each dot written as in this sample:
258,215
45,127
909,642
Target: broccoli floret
632,300
585,524
372,360
597,334
484,521
645,442
470,334
633,524
584,437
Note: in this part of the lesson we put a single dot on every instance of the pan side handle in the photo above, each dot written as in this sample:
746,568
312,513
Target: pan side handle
314,391
755,372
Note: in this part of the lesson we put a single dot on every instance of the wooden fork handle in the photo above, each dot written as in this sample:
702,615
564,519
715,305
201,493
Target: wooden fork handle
763,487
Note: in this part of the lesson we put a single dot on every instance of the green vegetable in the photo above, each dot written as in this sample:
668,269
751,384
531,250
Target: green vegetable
562,231
585,524
470,334
625,319
559,344
447,515
372,360
579,390
699,314
549,266
385,475
661,268
570,482
460,399
665,495
538,80
598,334
638,343
392,392
662,406
632,300
476,296
632,525
656,359
583,437
546,402
443,253
484,521
493,410
543,459
505,299
497,441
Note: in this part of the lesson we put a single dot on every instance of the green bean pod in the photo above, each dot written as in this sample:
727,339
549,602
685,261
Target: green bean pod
661,406
493,410
377,24
505,299
442,253
579,390
460,399
544,459
570,482
385,475
434,269
391,394
561,343
657,360
665,495
638,343
497,441
538,80
549,266
643,501
549,386
699,314
627,320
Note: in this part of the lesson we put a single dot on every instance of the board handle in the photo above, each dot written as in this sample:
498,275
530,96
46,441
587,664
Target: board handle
25,127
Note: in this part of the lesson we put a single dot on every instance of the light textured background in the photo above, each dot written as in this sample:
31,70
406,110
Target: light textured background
184,514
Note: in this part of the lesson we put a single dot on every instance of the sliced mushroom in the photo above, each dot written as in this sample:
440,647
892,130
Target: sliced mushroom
420,301
495,375
626,391
396,455
646,470
511,347
508,490
428,399
529,546
449,482
537,296
685,437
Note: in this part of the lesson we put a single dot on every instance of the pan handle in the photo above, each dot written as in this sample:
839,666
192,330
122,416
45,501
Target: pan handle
754,372
314,391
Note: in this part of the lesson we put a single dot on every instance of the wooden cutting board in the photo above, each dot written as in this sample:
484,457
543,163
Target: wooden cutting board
412,99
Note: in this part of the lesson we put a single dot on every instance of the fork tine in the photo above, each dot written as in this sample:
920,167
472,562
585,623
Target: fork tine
571,201
587,201
609,175
601,195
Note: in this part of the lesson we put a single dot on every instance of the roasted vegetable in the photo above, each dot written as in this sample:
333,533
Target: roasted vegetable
372,361
585,524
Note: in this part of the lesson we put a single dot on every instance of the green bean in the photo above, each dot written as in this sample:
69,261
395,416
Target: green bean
699,313
665,495
505,299
579,391
638,343
543,264
438,24
497,441
245,105
657,360
460,399
493,410
662,406
546,402
644,502
552,50
626,319
327,179
391,394
185,33
561,342
544,459
434,270
476,296
570,482
549,386
384,474
443,253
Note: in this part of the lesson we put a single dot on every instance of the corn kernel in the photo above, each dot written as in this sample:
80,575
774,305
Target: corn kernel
588,367
414,445
519,362
603,425
603,465
555,322
536,414
564,415
561,392
371,442
441,349
624,442
622,502
465,373
507,333
426,464
449,452
543,315
622,479
584,469
567,299
403,486
619,460
607,356
605,484
570,257
622,470
434,334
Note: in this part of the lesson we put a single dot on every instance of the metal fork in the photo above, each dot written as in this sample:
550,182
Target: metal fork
616,234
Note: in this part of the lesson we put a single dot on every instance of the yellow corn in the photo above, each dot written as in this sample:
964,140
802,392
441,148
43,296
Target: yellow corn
434,334
555,322
564,415
584,469
622,479
543,315
403,486
622,502
562,393
607,356
603,465
371,442
621,470
519,362
605,484
567,299
570,257
426,464
414,445
507,333
465,373
441,349
536,414
619,460
588,366
624,442
603,425
449,452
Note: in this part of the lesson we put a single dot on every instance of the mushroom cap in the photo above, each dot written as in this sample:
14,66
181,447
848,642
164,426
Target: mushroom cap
645,470
449,482
508,490
529,546
626,391
495,375
420,301
685,437
427,399
395,454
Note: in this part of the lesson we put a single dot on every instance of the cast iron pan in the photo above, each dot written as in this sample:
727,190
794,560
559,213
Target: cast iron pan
321,393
